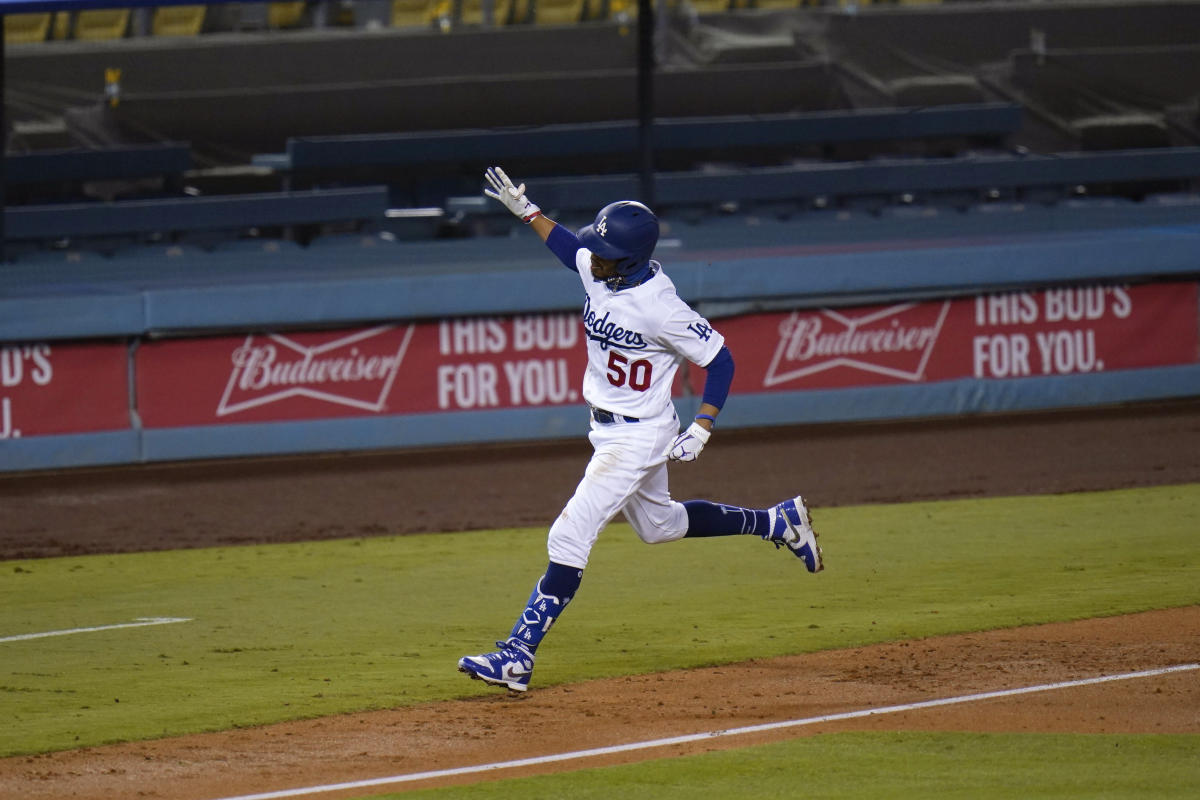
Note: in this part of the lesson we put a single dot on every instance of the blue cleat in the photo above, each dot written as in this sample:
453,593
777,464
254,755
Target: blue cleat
792,526
511,666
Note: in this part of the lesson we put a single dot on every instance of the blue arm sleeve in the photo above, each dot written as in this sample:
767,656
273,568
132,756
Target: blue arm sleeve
718,379
565,245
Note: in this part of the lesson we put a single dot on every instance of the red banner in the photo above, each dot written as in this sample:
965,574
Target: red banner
538,360
64,387
1052,332
407,368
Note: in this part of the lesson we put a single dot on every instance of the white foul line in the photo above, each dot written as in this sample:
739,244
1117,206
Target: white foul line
139,622
699,737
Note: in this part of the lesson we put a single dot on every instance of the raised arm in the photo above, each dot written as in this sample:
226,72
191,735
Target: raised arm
564,245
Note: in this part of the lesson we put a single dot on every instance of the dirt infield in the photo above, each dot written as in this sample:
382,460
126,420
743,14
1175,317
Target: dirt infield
168,506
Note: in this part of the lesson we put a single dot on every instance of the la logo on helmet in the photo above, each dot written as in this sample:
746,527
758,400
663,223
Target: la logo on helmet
602,226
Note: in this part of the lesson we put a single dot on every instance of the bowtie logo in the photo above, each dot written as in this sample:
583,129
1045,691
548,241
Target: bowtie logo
893,341
356,369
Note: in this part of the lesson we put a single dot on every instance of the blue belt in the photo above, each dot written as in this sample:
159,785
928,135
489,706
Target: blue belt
608,417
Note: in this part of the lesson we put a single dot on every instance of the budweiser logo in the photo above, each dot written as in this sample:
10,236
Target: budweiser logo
895,341
355,370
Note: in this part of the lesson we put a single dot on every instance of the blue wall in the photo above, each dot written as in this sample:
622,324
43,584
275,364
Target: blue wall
722,267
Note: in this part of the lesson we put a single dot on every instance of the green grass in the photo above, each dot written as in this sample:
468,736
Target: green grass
290,631
897,766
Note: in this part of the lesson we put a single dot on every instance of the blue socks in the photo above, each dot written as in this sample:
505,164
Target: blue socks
550,596
714,519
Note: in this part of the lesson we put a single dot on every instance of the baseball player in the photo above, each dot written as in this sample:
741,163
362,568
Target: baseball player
638,333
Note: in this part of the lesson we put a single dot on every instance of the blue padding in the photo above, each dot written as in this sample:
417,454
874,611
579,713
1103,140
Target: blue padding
325,301
74,450
966,396
85,314
417,430
312,287
1014,261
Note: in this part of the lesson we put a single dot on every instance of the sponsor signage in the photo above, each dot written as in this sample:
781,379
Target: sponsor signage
538,360
63,387
1062,331
408,368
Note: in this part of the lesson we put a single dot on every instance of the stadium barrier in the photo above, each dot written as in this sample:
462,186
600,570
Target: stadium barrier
453,353
167,216
972,174
984,120
169,159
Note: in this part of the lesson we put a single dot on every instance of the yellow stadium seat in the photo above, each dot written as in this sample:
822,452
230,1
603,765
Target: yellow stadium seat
178,20
558,12
62,25
710,6
26,28
627,7
285,15
418,13
775,5
472,12
630,7
102,23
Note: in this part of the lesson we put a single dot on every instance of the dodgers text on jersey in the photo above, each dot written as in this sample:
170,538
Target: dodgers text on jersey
606,332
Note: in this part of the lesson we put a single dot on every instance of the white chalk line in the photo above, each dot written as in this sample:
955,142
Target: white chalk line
139,622
700,737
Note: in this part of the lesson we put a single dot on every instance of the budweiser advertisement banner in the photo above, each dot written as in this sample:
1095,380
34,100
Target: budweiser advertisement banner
1053,332
538,360
63,387
406,368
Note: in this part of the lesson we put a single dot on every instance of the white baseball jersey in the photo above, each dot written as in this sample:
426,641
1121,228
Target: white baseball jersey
636,340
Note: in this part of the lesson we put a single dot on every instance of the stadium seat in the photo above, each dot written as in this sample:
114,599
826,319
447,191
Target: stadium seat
102,23
62,25
178,20
629,8
418,13
558,12
710,6
472,12
593,10
285,15
622,8
26,28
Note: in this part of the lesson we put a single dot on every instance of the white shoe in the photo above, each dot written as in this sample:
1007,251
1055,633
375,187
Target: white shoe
791,525
511,666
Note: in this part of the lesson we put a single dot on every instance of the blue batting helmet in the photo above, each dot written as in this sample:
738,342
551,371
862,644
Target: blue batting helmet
625,232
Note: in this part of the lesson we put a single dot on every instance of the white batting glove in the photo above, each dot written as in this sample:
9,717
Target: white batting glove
513,197
689,443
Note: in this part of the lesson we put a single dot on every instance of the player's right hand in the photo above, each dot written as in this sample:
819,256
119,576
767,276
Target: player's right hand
513,197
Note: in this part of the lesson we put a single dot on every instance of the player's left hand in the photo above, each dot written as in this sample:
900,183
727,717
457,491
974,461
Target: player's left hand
689,443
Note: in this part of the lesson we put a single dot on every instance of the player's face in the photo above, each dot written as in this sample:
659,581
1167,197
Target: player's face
603,268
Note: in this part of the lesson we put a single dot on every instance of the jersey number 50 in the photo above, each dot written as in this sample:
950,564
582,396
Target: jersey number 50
621,371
